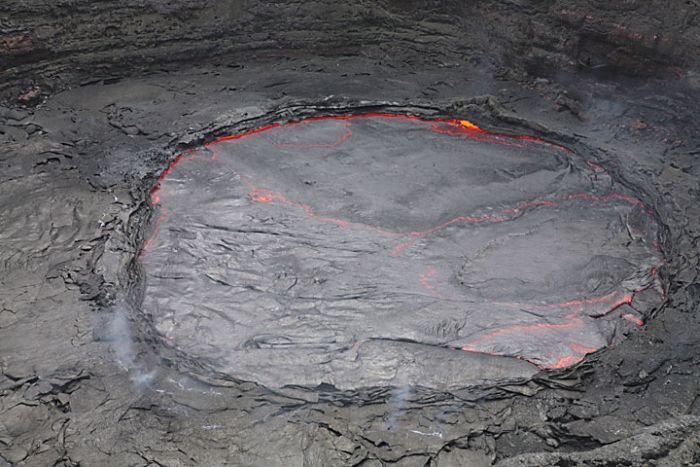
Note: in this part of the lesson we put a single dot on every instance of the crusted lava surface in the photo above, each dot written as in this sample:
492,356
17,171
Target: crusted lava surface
358,250
312,233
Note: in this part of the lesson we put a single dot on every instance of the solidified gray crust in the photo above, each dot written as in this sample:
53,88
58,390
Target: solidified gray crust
357,252
83,379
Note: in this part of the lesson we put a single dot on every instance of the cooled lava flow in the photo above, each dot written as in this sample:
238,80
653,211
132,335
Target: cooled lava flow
297,243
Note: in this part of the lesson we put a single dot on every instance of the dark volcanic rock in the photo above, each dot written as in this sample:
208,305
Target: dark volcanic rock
68,42
105,94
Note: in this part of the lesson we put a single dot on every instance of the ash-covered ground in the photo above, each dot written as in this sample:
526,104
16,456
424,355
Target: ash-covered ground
107,360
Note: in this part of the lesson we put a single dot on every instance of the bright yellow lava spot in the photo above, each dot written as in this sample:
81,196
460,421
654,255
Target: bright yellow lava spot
469,125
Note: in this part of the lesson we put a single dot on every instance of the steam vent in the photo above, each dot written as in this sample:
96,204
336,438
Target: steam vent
367,233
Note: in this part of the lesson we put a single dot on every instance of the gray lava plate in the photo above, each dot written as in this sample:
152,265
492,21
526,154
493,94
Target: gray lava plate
373,250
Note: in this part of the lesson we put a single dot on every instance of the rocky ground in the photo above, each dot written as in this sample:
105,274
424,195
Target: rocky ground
99,96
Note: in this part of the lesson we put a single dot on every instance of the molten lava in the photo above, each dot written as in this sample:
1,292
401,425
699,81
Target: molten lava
331,231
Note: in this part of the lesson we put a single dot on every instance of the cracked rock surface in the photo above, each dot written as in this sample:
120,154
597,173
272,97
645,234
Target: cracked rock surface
98,99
